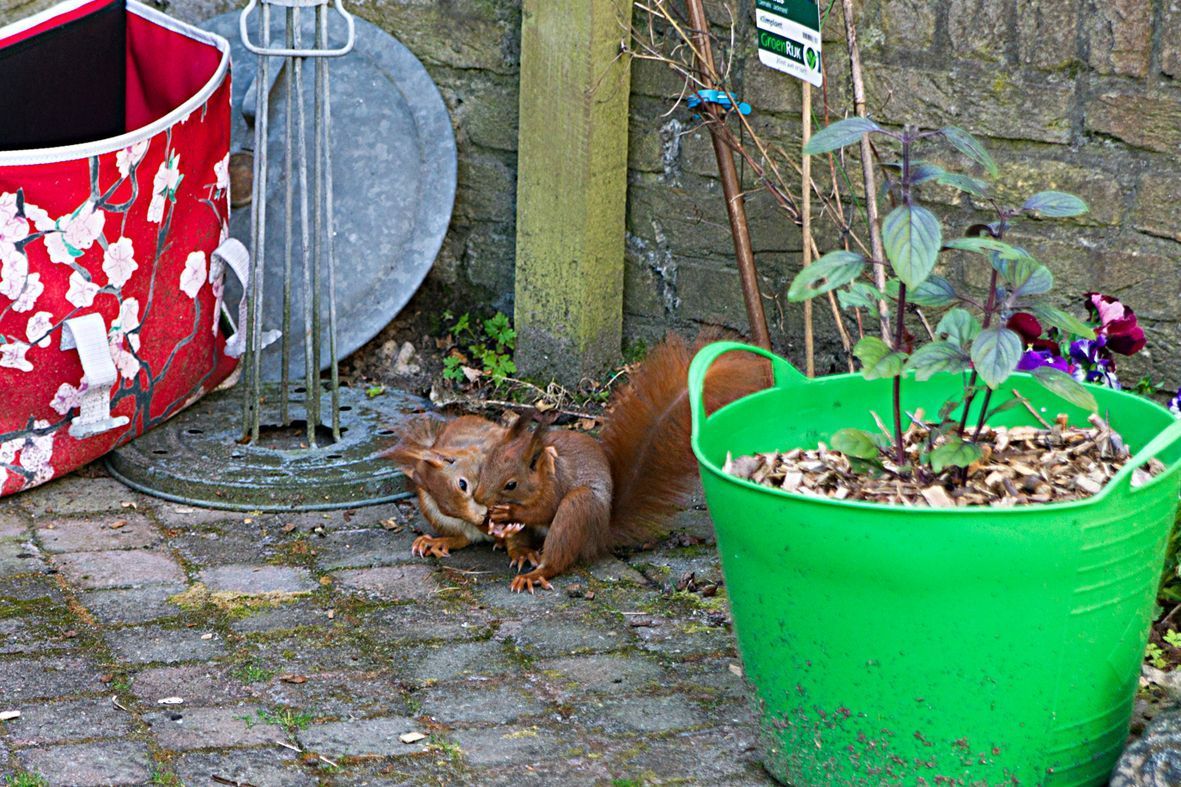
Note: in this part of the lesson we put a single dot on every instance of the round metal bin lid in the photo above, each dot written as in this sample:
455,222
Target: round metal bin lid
394,172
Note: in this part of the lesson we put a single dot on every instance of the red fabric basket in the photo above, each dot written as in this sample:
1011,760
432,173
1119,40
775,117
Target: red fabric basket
114,209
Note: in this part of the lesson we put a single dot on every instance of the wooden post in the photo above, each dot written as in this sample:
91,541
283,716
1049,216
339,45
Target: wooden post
571,187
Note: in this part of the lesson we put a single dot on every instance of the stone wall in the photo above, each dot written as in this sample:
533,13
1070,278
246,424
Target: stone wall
1080,95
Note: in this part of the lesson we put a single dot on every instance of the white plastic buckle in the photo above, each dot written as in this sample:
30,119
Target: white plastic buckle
88,335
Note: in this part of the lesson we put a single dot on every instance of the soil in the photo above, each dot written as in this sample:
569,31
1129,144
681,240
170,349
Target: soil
1018,465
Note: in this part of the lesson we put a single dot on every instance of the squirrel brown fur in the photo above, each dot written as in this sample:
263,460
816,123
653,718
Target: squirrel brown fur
583,497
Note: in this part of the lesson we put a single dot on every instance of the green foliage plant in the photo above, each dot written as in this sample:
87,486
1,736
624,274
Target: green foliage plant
489,343
971,337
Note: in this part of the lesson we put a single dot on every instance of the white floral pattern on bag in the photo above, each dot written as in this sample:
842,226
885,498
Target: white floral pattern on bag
82,290
119,262
164,186
193,276
38,329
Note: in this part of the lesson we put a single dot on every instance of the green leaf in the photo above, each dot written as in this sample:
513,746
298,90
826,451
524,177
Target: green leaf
1055,204
954,452
912,238
970,146
987,247
1059,382
1027,279
855,442
859,295
835,269
839,134
995,353
958,326
922,171
1056,318
877,359
937,357
935,291
974,186
374,391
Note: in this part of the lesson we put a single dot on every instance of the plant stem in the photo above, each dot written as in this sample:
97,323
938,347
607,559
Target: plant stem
983,415
900,317
989,308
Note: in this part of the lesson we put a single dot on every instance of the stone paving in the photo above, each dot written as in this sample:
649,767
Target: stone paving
147,642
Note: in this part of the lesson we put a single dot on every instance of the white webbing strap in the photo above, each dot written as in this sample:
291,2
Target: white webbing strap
88,335
234,254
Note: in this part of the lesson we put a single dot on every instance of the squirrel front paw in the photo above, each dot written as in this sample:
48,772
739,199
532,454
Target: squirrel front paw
502,514
518,558
523,582
506,529
429,545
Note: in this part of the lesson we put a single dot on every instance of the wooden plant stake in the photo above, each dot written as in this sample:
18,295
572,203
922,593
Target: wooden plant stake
871,188
731,189
806,215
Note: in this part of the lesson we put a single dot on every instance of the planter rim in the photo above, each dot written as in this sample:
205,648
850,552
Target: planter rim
783,370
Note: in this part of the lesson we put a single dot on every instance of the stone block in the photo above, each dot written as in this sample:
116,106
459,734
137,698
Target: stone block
979,29
57,722
1149,122
1170,38
19,556
120,568
908,21
461,704
233,543
647,715
31,635
362,548
453,661
118,530
1158,205
134,605
348,694
983,100
395,583
1047,33
363,738
75,494
27,679
470,36
1022,176
273,767
196,684
178,728
156,644
486,189
90,764
607,674
258,580
1119,37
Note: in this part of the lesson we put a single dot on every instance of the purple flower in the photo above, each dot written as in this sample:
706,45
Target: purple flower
1087,350
1175,403
1034,359
1117,322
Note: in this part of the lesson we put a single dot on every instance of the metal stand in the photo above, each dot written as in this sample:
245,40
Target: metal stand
316,236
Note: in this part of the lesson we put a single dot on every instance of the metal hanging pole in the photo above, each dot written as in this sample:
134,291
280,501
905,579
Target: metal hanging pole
315,211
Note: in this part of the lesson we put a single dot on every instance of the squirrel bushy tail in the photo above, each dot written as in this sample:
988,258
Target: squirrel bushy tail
648,428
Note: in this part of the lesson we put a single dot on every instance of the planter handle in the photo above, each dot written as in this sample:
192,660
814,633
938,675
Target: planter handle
1156,445
786,375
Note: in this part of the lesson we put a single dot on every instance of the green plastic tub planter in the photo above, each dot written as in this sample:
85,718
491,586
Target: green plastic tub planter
976,646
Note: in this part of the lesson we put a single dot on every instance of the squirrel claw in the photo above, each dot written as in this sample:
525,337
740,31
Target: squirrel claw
518,560
429,545
523,582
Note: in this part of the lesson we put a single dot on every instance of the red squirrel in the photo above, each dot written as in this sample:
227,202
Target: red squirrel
442,458
584,496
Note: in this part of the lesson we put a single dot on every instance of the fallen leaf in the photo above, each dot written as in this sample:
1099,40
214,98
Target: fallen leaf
736,669
207,635
296,679
391,524
287,528
411,737
587,424
471,374
71,634
129,504
331,614
171,701
542,405
6,715
118,524
248,521
325,581
107,678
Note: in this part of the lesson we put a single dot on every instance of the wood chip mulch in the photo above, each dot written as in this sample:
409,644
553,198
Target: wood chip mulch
1020,465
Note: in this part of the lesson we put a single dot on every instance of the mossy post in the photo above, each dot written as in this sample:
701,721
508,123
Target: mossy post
571,187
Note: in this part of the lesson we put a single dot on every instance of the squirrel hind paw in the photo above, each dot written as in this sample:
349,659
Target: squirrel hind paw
523,582
429,545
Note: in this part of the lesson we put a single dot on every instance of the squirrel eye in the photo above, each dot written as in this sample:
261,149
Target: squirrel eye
462,484
510,486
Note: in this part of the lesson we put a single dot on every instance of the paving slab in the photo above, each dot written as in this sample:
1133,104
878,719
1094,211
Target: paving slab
271,766
196,684
390,583
337,694
178,728
97,533
76,494
133,605
360,549
19,556
564,636
454,661
25,679
363,737
157,644
90,764
30,635
231,543
30,588
119,568
321,651
294,614
509,746
425,620
643,714
475,704
604,674
258,579
71,720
